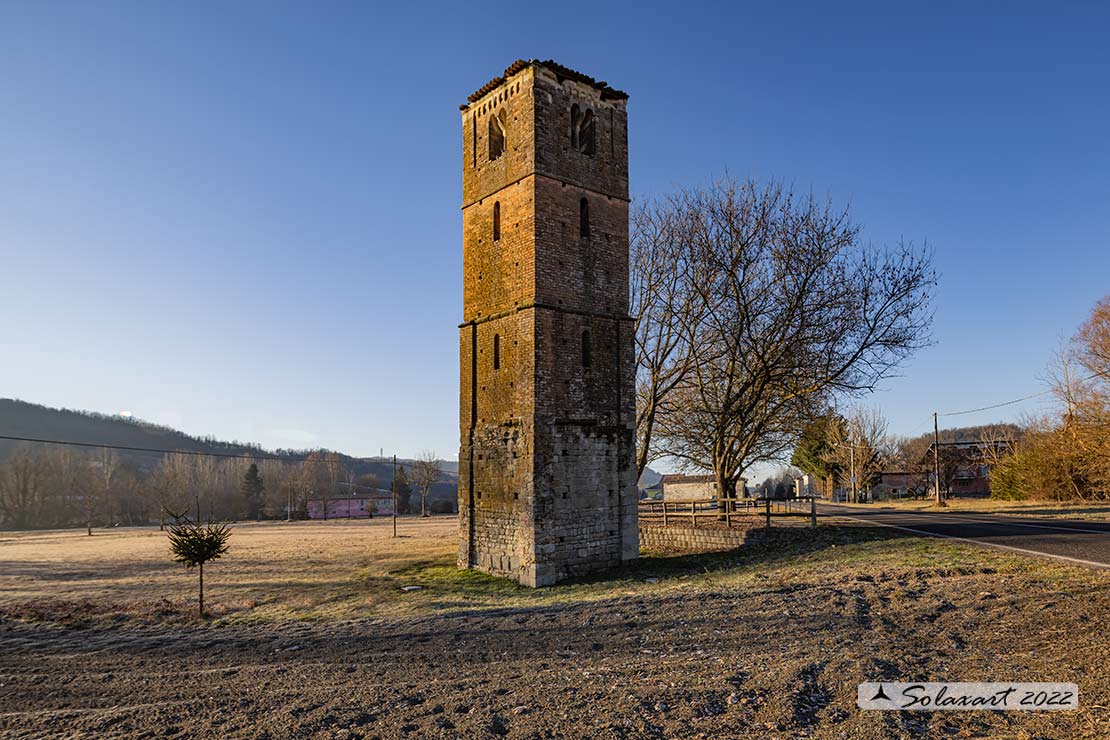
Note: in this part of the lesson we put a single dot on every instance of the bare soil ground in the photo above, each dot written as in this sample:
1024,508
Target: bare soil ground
313,637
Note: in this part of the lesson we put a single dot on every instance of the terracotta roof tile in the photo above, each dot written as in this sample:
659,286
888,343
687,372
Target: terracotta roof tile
679,478
561,72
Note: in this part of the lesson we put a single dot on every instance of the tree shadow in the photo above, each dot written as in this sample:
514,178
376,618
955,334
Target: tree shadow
764,547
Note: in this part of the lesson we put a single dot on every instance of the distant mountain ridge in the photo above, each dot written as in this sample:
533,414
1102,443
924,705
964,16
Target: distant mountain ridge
23,419
650,478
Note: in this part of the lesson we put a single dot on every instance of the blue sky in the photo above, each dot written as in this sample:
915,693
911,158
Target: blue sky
243,219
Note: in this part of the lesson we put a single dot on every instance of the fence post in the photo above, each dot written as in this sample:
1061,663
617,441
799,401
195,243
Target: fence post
813,512
768,507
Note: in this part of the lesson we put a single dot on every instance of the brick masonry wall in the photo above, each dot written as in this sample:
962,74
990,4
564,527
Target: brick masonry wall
547,482
576,272
606,172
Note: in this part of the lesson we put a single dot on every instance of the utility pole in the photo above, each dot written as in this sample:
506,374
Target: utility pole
852,451
394,487
936,457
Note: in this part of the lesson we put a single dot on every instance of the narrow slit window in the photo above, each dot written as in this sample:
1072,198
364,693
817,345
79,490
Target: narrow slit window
587,349
496,135
496,220
575,122
584,218
496,351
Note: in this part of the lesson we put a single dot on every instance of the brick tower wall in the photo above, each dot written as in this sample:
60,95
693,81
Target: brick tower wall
547,479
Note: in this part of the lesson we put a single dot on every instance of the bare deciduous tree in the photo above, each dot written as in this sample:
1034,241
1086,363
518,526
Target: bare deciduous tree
794,309
1067,457
205,484
282,491
664,307
21,488
170,482
860,447
108,463
1092,342
425,472
321,472
910,456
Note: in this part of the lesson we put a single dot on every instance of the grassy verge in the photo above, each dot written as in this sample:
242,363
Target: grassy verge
788,557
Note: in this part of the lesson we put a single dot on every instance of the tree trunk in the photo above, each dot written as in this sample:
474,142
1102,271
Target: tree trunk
202,590
424,502
726,490
644,451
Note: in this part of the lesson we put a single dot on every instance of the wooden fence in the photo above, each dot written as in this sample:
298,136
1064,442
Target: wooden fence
727,510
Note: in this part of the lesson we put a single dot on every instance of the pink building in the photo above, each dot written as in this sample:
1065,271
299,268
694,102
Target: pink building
358,506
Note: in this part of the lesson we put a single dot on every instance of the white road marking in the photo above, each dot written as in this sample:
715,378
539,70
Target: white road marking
1005,522
1038,553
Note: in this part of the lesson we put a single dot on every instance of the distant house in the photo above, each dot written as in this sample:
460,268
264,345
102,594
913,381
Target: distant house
359,505
689,487
898,484
695,487
964,466
806,485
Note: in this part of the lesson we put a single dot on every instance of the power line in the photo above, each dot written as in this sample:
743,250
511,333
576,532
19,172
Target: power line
996,405
195,453
1019,400
305,458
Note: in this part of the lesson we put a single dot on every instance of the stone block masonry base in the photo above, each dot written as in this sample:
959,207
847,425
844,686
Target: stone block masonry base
691,539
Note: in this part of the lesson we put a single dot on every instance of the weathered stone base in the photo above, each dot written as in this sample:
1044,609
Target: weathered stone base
536,575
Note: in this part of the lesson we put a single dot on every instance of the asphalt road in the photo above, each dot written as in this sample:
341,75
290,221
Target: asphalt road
1083,542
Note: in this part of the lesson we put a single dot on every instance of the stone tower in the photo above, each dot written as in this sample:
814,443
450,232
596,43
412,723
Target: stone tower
547,483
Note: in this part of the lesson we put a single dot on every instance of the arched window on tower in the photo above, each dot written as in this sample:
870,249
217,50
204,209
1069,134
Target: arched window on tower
584,218
496,220
586,131
496,135
583,130
587,349
496,351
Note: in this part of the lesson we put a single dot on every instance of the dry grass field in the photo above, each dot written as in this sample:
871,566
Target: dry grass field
312,636
341,568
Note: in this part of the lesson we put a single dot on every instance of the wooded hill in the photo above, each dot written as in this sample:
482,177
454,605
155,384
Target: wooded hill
22,419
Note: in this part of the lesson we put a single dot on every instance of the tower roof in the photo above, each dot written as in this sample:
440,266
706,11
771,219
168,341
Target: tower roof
561,73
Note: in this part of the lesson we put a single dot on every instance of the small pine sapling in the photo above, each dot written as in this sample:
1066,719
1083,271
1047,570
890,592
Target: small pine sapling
194,544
